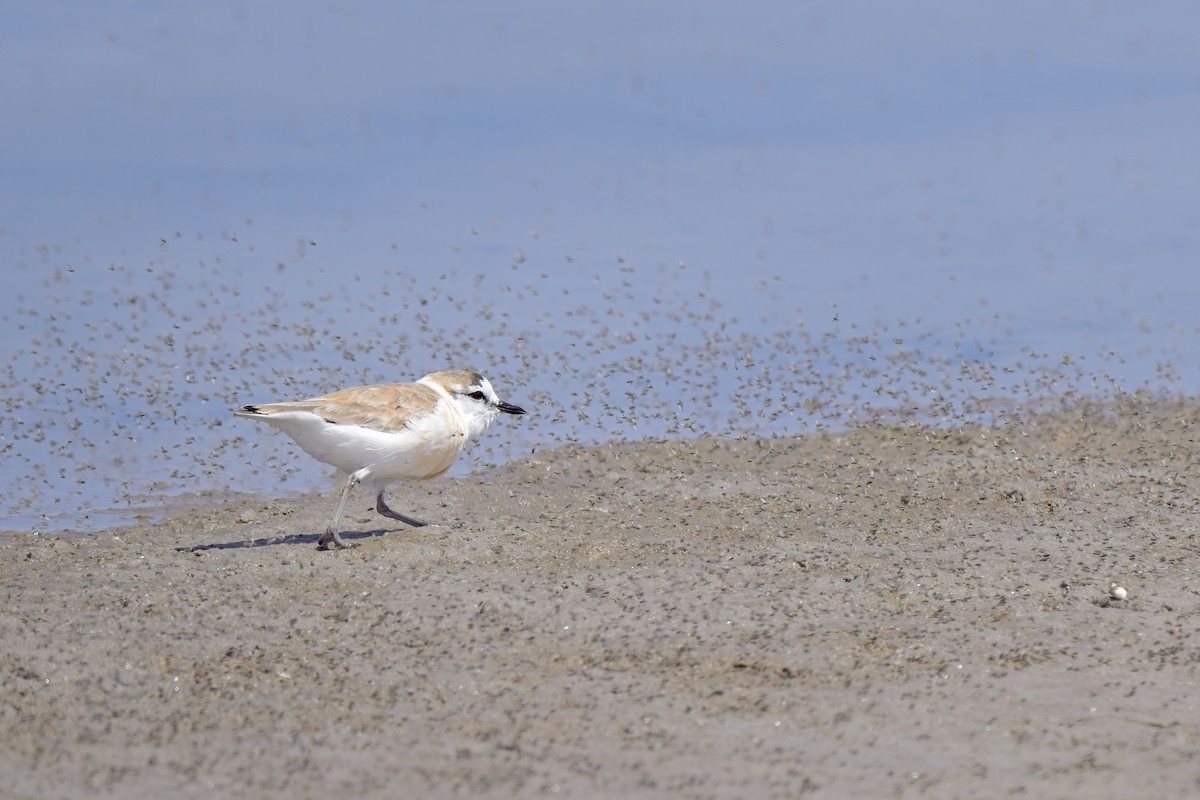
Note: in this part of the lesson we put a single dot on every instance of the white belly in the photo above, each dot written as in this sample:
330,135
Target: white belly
425,450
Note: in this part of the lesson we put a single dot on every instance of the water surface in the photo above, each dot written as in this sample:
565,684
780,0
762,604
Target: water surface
638,222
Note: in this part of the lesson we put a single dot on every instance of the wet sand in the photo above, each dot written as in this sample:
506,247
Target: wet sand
887,612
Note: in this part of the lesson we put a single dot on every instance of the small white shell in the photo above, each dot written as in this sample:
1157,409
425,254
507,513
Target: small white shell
1118,592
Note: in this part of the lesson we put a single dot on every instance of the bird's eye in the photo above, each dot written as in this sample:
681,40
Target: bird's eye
477,396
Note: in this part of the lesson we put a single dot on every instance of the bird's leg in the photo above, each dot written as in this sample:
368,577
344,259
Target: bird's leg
331,533
382,507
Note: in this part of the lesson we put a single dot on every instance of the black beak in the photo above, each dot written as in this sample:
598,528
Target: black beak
508,408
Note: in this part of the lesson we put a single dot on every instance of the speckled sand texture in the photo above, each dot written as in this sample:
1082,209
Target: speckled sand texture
880,613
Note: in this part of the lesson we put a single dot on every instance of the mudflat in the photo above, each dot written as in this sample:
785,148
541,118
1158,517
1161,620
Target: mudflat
889,611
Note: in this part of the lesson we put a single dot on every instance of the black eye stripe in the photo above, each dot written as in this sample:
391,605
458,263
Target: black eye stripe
477,395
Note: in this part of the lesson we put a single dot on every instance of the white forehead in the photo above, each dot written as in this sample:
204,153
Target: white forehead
485,386
462,382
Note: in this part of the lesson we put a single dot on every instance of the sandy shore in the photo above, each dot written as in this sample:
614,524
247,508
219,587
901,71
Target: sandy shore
882,613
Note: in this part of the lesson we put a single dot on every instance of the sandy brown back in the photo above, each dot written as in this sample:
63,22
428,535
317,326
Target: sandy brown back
387,407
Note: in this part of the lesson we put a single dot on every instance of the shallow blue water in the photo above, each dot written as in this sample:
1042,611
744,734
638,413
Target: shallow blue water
637,222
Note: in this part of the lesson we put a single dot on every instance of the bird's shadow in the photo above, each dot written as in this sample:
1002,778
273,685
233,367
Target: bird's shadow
271,541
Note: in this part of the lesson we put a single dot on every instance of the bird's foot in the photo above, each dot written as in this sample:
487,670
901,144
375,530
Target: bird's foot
334,537
382,507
